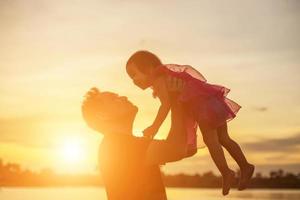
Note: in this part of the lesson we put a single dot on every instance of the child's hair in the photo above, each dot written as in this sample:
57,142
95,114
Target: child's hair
144,60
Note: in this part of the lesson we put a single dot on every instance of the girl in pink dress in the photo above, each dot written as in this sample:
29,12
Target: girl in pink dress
205,105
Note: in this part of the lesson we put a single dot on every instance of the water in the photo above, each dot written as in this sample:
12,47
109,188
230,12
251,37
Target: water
94,193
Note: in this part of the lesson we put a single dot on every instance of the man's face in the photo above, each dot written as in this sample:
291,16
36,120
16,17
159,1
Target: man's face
107,112
115,106
139,79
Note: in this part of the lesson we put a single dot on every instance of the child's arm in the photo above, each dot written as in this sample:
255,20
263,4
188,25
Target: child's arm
162,93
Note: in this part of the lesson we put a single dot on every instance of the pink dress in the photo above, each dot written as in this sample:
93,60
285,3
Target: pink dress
206,105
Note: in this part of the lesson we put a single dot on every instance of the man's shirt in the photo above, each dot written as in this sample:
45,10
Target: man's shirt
124,173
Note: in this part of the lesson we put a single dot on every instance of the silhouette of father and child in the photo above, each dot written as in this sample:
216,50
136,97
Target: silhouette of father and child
130,165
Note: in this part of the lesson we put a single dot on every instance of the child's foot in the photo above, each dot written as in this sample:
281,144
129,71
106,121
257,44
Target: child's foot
246,175
228,180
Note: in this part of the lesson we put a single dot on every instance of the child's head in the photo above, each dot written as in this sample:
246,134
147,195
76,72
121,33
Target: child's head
140,66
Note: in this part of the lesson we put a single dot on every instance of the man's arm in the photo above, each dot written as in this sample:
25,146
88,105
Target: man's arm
162,114
162,94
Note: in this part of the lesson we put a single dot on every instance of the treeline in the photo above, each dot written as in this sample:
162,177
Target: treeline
11,175
276,179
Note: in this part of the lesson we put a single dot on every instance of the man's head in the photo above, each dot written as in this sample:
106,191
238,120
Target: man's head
140,66
108,113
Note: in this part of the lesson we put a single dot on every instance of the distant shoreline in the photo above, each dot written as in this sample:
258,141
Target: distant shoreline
12,175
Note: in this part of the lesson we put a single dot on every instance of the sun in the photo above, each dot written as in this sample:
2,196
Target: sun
72,151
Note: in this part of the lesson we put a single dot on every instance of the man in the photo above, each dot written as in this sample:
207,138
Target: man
129,165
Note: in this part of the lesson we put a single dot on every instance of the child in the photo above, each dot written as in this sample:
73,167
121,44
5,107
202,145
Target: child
204,103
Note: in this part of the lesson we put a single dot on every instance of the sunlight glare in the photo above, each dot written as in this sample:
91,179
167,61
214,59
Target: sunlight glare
72,152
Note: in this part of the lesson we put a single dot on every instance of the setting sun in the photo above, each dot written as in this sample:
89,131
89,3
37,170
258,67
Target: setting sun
72,151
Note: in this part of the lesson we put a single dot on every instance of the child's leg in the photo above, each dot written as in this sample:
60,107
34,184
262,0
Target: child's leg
231,146
210,138
236,152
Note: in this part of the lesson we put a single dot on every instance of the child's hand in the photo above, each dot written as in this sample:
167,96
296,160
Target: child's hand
150,131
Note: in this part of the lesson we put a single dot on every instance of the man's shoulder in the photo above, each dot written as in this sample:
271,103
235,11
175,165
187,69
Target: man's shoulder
121,148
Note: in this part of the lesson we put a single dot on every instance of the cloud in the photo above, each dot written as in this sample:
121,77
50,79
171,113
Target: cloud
279,153
201,164
34,131
21,130
260,109
289,144
266,168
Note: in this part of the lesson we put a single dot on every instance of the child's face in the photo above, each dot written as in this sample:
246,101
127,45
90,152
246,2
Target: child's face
139,79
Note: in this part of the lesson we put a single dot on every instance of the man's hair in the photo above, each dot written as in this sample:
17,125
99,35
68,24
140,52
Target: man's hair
93,105
144,60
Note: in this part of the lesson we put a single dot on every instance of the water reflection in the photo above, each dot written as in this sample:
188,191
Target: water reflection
94,193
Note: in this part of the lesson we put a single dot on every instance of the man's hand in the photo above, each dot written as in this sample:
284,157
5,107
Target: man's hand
150,132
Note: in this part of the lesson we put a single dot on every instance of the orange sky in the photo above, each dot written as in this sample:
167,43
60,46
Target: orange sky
51,52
